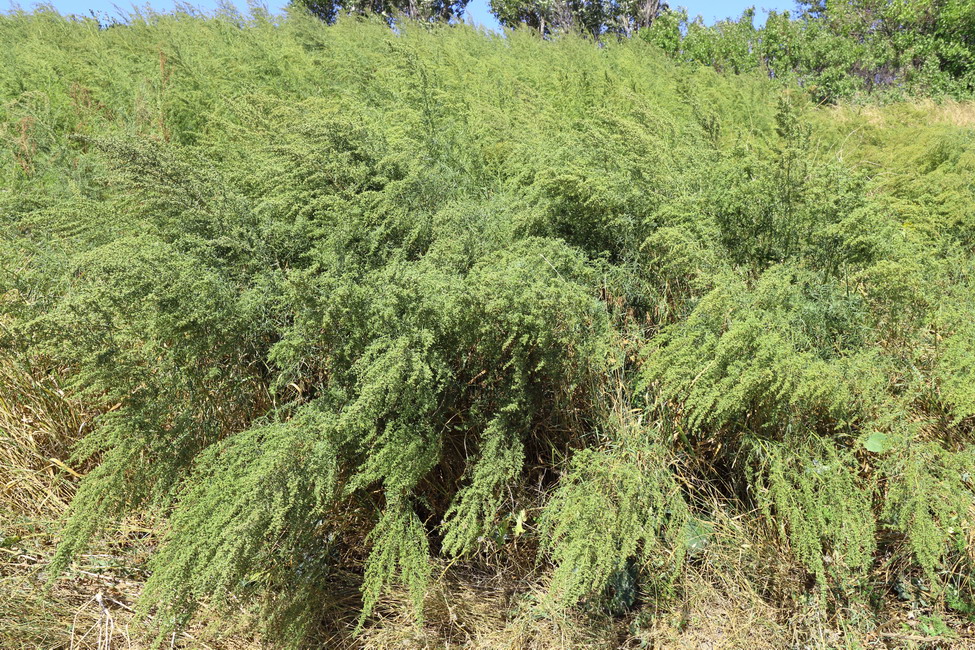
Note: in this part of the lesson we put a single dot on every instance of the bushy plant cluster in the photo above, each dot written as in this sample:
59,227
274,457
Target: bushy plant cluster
351,298
842,49
838,49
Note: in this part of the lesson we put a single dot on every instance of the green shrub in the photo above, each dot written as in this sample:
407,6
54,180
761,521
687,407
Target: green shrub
352,300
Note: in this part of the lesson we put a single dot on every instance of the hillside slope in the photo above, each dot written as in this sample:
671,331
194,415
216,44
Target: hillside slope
355,336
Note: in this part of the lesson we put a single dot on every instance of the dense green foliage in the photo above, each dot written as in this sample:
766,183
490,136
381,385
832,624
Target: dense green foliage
839,48
834,49
351,297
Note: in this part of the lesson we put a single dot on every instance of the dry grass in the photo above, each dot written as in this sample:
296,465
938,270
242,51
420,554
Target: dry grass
482,612
89,609
725,601
38,426
92,607
919,112
731,597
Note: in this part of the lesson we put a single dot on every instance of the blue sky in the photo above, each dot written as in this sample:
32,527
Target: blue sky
477,10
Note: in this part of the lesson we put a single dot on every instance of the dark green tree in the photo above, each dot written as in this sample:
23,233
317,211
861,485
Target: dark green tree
591,17
424,10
